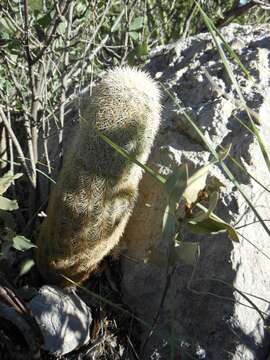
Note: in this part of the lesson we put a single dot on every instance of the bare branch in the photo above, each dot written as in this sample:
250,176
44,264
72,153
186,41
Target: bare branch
234,12
64,82
188,19
17,145
52,30
26,31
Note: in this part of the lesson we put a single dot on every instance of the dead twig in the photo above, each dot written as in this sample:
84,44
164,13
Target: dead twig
52,30
238,10
169,275
13,309
16,144
64,83
188,19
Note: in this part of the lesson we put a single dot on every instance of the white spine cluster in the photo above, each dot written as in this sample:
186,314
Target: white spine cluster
97,188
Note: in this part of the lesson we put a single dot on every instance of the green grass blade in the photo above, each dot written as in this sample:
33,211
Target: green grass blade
126,155
245,170
212,28
217,40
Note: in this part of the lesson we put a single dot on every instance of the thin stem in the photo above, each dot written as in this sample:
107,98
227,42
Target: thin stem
16,144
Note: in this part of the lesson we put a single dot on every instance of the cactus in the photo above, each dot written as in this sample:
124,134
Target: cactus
97,188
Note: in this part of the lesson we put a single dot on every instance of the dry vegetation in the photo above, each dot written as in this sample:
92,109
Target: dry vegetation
50,53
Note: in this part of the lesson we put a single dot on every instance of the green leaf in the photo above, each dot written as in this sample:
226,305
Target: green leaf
213,199
196,183
26,266
136,24
62,27
206,226
142,49
134,35
212,225
80,7
45,20
35,5
6,180
21,243
169,223
5,36
132,58
176,183
7,204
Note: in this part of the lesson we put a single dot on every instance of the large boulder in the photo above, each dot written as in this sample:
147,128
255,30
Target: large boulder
204,316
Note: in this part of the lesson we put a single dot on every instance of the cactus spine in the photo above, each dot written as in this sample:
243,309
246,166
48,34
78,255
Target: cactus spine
97,188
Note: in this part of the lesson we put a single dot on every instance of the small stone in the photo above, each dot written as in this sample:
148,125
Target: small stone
63,317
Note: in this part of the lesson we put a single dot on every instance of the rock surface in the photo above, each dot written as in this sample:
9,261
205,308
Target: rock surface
202,318
63,317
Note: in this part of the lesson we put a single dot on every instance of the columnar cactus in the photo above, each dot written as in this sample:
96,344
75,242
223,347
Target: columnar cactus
97,188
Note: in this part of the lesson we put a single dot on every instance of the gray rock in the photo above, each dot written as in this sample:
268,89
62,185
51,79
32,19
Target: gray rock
202,318
63,317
